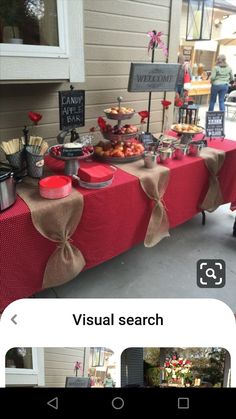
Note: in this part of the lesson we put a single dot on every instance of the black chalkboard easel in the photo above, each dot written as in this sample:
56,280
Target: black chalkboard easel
215,124
71,109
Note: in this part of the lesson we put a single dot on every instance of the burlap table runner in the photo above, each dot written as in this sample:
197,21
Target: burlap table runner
154,183
56,219
214,160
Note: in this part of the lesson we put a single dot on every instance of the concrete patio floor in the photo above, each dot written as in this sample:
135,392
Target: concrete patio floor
167,270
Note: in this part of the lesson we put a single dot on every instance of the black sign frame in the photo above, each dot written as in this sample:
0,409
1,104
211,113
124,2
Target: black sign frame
71,109
215,124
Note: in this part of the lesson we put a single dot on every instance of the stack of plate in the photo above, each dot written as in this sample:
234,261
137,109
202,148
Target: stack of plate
55,187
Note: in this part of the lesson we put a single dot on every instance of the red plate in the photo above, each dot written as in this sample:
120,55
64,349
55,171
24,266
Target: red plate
55,187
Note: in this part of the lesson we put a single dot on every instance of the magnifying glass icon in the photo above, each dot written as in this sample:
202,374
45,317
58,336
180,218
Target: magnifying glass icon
210,273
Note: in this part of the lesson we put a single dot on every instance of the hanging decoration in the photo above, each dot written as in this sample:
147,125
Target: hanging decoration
156,41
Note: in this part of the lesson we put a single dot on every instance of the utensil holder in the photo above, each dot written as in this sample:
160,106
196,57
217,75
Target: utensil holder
194,150
150,161
35,163
165,155
17,160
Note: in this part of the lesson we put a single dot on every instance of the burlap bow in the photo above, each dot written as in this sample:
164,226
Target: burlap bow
56,220
154,183
214,160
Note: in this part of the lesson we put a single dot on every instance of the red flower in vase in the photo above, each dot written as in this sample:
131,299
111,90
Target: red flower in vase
144,115
102,123
178,103
165,103
35,117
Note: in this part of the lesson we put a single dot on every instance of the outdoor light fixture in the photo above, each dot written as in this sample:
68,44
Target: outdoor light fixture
199,20
217,23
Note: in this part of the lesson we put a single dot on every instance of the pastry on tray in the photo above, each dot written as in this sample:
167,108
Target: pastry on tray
187,128
119,110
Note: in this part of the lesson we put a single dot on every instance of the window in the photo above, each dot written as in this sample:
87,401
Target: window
19,358
30,22
41,40
97,357
24,367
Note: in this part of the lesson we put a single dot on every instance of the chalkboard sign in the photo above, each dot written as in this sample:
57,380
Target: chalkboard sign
215,122
151,77
187,52
147,138
77,382
71,108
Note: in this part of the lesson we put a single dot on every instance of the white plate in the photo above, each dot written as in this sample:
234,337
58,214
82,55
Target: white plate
89,185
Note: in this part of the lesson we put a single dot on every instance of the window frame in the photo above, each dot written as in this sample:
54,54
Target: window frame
28,376
49,63
27,50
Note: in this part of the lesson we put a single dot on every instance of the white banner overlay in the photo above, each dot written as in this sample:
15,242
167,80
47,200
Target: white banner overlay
125,323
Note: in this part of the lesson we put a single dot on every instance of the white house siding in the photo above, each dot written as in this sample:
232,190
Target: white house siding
115,35
59,363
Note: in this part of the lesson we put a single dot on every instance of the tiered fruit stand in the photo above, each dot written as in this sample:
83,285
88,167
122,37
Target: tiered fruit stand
122,144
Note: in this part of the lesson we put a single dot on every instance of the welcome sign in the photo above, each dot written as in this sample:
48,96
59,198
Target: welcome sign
152,77
77,382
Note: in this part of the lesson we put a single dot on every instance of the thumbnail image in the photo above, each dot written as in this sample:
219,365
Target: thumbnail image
60,367
175,367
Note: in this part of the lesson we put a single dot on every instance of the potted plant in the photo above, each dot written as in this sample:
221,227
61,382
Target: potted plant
12,14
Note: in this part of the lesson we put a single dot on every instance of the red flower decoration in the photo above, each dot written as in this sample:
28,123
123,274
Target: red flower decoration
35,117
102,123
178,102
77,365
144,115
165,103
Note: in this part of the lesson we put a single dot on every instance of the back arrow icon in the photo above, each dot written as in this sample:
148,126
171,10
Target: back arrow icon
13,319
53,403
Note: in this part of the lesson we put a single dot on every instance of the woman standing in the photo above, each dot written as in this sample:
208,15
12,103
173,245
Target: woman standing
108,382
220,77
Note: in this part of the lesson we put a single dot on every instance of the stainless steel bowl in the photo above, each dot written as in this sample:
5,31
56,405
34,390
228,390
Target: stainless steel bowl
179,151
164,154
